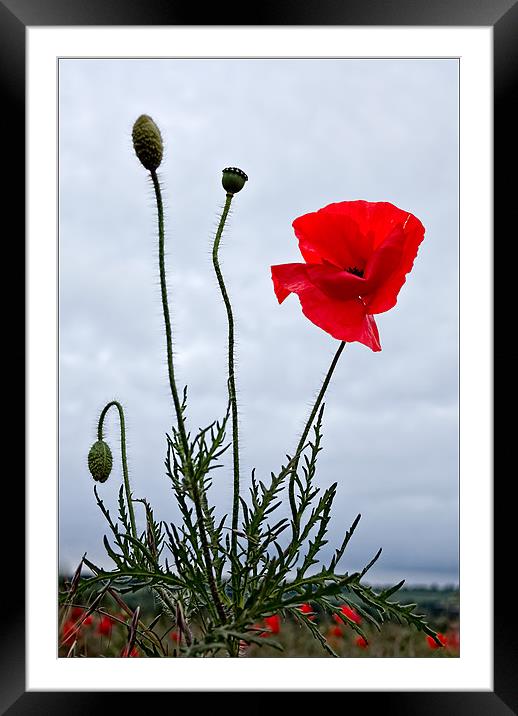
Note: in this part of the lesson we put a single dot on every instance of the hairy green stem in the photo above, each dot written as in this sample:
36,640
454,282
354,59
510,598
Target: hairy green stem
231,384
127,488
167,317
306,430
178,407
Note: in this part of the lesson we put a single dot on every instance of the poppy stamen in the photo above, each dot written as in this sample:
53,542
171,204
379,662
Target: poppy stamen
355,271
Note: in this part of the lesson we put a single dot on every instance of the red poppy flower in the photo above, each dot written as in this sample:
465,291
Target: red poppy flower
357,255
69,634
175,635
335,631
273,623
433,644
308,610
74,628
350,613
133,653
453,640
362,642
105,626
77,613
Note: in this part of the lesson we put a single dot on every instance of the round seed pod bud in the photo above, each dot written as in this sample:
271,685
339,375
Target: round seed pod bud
147,142
233,180
100,461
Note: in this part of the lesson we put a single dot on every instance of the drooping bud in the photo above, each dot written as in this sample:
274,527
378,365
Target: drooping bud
100,461
233,180
147,142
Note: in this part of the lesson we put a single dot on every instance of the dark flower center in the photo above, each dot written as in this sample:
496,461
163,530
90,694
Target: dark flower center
355,271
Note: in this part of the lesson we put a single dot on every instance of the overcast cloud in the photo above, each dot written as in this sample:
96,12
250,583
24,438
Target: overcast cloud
308,133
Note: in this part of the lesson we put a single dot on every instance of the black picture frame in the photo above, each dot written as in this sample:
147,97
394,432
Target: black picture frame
15,17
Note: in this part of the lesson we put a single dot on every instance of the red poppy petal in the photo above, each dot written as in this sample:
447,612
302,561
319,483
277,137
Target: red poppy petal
433,644
375,219
333,237
414,231
351,613
385,297
389,264
288,278
341,285
273,623
384,272
344,320
387,258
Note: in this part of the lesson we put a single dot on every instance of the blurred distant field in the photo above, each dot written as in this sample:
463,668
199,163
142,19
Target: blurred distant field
101,635
394,640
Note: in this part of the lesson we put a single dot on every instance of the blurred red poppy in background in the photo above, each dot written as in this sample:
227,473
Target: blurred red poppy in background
68,634
78,613
273,623
74,626
350,613
433,644
357,255
105,626
308,610
362,642
453,640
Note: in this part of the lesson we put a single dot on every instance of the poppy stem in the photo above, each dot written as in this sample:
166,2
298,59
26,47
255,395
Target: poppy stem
231,389
127,488
305,433
167,318
192,478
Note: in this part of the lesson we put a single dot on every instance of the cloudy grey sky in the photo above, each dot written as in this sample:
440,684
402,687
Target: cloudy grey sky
308,133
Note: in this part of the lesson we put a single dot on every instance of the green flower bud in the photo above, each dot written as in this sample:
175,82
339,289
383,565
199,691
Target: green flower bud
147,142
233,180
100,461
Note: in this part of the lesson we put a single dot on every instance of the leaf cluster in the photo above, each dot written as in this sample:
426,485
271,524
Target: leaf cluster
277,568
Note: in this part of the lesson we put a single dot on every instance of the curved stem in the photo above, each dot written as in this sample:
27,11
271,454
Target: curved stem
127,488
178,407
231,373
306,430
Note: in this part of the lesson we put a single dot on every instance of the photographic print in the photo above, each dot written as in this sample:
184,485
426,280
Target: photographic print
258,357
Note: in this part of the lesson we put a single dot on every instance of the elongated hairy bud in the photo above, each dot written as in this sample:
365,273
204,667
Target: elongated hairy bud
147,142
100,461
